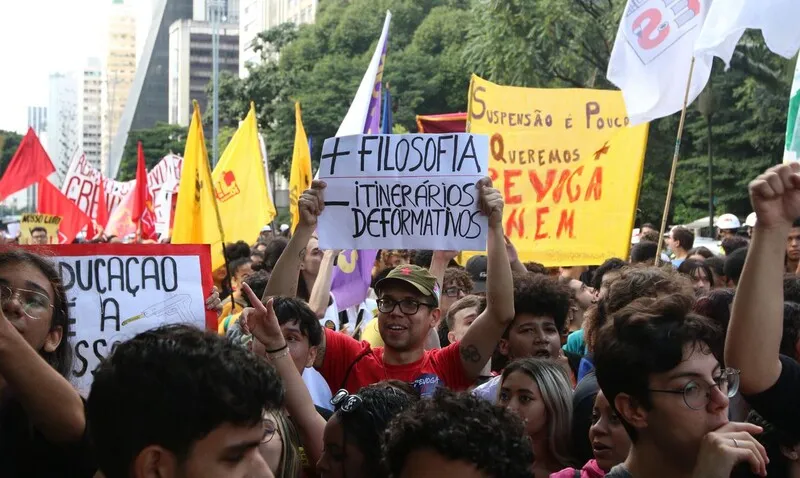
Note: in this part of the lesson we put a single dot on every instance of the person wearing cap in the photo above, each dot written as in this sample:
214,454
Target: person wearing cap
266,233
408,308
728,225
477,266
285,232
750,223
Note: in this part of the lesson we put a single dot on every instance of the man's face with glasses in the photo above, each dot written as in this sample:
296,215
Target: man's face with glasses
405,316
687,403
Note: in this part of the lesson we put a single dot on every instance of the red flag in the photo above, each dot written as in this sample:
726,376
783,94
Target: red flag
53,201
102,208
142,212
101,214
29,164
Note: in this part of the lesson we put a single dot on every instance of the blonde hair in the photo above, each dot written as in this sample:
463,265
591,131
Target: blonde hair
292,454
554,386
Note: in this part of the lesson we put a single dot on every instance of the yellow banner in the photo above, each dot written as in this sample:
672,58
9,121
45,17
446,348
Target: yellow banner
28,223
568,165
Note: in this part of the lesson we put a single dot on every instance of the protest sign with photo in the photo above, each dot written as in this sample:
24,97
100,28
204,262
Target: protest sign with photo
29,222
412,191
116,291
568,165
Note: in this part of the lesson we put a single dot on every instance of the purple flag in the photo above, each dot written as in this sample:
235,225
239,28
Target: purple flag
353,274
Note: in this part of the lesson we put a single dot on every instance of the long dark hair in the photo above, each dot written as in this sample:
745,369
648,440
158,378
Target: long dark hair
61,358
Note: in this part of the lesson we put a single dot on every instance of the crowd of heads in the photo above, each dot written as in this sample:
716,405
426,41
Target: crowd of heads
597,365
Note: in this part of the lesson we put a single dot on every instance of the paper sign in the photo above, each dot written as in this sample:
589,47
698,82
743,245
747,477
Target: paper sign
413,191
116,291
568,165
29,222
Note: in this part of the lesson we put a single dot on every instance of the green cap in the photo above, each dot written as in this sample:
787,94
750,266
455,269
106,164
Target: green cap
417,276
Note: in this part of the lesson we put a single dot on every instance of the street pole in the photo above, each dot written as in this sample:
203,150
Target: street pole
215,17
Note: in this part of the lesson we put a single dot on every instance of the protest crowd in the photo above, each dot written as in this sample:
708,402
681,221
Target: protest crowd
412,319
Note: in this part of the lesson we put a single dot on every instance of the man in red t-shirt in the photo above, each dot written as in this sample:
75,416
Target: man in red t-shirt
408,308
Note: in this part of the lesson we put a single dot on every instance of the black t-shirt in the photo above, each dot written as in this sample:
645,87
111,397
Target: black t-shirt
25,452
778,404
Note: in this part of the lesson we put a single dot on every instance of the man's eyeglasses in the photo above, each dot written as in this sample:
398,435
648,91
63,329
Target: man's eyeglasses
407,306
454,291
34,303
697,394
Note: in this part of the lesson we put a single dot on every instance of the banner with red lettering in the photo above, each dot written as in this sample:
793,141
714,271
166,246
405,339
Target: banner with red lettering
81,186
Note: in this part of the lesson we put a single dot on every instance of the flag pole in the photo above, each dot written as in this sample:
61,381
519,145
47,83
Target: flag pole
675,157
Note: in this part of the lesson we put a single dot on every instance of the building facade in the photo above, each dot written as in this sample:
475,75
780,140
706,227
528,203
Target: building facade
37,119
228,10
120,72
148,101
62,121
90,115
190,64
256,16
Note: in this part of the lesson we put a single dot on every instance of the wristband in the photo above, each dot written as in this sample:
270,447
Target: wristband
278,349
278,355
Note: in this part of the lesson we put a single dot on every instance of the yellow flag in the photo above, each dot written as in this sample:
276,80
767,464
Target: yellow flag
240,185
197,219
300,178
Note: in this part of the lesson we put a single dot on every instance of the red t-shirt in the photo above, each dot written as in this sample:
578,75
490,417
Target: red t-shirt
436,368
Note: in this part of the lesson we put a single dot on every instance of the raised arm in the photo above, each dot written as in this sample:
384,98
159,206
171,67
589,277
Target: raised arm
283,280
321,292
53,406
756,326
484,334
439,263
262,322
513,257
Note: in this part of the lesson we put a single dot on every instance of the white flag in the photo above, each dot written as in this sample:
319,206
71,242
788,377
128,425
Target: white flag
653,54
363,111
728,19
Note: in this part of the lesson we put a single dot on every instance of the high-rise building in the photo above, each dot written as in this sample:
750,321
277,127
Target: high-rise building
228,10
148,101
62,121
190,64
90,117
120,72
37,119
256,16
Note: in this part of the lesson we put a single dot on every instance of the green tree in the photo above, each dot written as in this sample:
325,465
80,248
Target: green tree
321,66
157,142
9,142
552,43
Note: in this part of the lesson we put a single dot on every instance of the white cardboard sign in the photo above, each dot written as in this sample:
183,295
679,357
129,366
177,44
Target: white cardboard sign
115,291
411,191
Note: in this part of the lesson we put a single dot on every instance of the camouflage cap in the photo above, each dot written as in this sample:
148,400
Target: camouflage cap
417,276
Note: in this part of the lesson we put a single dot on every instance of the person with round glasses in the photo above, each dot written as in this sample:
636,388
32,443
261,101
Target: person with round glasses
42,417
658,364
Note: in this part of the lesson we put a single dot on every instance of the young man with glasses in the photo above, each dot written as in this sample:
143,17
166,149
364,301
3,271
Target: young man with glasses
656,362
408,309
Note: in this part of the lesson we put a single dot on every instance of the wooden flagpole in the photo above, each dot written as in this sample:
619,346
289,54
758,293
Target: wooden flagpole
675,157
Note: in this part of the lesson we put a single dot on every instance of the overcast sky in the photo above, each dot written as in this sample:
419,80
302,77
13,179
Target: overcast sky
40,37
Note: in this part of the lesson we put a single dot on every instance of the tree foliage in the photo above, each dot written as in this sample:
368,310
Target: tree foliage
321,66
157,142
9,142
434,46
552,43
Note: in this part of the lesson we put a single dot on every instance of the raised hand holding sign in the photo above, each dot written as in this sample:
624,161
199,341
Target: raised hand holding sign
415,191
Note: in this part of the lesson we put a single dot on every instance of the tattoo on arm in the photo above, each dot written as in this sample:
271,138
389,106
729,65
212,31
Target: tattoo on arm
469,353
